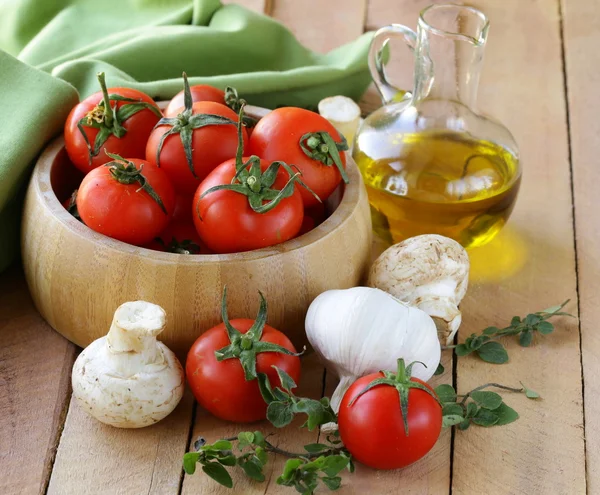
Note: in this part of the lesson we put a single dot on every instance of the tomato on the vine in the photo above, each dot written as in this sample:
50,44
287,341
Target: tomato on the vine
188,147
117,120
129,200
306,140
373,426
199,92
247,203
223,364
226,220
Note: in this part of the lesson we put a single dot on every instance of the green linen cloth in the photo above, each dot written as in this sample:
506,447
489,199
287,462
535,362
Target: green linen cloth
60,45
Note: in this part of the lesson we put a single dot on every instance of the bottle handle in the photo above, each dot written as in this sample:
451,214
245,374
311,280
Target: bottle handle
380,41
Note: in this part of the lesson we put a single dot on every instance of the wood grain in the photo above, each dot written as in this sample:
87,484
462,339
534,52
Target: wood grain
115,461
581,39
78,277
322,26
291,438
522,85
35,365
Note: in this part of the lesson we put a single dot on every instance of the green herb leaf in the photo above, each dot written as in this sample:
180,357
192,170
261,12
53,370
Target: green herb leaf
315,448
491,330
261,454
505,414
464,425
451,420
485,417
439,370
331,465
280,414
316,412
219,445
253,469
462,350
532,319
525,338
493,352
245,438
218,473
446,393
189,462
287,382
259,439
487,400
545,327
333,483
452,409
290,468
472,409
530,394
228,460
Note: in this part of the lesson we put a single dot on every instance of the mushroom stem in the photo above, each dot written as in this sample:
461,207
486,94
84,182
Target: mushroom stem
133,333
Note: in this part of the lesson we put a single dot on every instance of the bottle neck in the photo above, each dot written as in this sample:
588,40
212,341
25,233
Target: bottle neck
447,69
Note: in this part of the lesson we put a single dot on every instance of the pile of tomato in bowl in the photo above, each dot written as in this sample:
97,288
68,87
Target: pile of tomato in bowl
203,176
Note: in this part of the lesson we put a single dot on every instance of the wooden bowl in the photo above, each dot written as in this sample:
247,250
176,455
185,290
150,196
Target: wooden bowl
78,277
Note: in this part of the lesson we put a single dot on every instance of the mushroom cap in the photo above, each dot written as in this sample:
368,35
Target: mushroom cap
422,266
118,398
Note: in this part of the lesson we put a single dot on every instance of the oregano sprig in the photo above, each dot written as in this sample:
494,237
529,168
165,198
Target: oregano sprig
283,403
250,452
487,347
479,406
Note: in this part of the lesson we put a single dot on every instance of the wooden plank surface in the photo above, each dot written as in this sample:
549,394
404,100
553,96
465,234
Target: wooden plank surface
581,40
35,364
322,26
543,452
115,461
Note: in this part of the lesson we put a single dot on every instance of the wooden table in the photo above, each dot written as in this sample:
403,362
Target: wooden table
541,79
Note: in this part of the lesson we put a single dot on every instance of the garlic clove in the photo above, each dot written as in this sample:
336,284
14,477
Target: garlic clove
128,379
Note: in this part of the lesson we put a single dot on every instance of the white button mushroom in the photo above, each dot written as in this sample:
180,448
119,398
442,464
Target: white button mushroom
128,379
430,272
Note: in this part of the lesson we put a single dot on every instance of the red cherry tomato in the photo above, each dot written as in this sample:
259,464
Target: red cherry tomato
126,211
211,145
372,428
277,136
132,143
220,387
183,208
226,222
199,92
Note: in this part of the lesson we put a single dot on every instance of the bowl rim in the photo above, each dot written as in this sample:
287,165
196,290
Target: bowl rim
41,180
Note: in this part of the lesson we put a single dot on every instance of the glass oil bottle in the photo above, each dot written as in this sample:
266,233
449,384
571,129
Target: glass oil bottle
430,163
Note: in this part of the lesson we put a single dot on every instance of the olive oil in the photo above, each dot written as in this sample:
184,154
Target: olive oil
439,182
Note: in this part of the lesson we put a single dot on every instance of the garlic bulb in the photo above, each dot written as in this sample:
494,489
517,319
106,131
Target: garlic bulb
362,330
343,113
430,272
128,379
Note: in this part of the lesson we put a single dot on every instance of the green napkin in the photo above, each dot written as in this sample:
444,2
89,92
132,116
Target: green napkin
144,44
